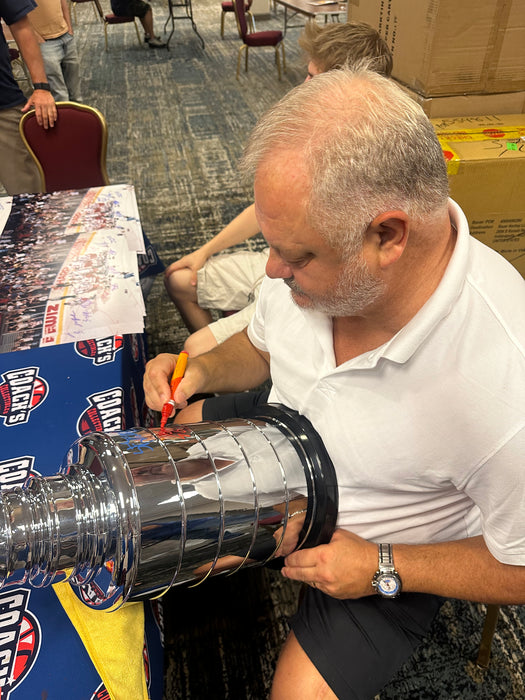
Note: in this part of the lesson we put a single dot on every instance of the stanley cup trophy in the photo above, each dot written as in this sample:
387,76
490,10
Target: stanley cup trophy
135,512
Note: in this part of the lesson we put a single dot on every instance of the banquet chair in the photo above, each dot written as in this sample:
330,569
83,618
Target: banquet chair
227,7
112,19
273,37
95,4
71,155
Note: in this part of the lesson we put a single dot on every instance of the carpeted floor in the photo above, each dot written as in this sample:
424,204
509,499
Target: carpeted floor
177,123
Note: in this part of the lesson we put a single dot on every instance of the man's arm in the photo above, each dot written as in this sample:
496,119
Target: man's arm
462,569
67,15
41,100
234,365
238,230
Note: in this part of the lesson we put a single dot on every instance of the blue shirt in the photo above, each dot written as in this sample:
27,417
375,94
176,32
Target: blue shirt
11,11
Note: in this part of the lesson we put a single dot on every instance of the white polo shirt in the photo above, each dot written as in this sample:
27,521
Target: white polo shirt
426,432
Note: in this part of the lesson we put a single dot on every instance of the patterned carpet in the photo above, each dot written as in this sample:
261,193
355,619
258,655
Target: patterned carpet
177,123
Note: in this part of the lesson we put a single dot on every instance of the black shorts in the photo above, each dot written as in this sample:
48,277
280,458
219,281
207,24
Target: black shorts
233,405
358,645
130,8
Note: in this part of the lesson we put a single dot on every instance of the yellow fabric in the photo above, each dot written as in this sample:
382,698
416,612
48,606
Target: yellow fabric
114,642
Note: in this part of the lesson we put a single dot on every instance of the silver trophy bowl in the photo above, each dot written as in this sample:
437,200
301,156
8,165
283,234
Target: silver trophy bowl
134,512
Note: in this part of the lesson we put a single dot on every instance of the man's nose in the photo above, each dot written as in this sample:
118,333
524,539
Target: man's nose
276,267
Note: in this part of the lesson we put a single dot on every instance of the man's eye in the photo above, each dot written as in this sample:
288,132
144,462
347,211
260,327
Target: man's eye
300,262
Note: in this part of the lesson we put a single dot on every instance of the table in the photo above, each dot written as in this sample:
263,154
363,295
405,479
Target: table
68,265
187,13
311,9
71,318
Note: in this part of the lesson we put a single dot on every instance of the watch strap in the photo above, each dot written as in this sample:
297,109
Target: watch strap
386,558
42,86
386,580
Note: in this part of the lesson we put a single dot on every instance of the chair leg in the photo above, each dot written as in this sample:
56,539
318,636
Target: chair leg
246,60
106,34
137,30
222,24
491,620
239,55
98,7
277,61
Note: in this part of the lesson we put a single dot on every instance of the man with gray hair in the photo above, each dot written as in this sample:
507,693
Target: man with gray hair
204,280
390,328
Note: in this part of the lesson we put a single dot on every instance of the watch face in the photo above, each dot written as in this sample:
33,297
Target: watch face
388,585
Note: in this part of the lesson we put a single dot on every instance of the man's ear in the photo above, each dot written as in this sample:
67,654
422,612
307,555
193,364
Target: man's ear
387,237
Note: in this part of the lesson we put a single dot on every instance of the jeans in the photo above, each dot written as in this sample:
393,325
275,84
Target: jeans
62,67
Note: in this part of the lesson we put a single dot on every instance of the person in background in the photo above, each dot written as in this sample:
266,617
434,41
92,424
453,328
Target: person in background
401,338
51,21
18,172
199,282
142,10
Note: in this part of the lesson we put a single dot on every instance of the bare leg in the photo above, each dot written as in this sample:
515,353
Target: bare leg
297,677
191,414
200,342
147,23
184,295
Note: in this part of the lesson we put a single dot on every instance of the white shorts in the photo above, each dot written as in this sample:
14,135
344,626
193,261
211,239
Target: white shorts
230,281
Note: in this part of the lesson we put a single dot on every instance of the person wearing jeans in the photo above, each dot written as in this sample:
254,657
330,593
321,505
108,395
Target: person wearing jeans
51,21
18,172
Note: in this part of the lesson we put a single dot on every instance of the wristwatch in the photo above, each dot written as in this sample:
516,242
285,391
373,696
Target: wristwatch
386,581
42,86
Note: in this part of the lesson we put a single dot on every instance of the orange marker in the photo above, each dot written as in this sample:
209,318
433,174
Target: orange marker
176,378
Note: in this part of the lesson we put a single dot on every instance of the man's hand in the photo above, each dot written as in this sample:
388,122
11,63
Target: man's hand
457,569
343,568
42,100
234,365
290,540
157,382
45,107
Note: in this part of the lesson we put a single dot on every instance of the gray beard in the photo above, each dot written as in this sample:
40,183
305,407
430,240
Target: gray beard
354,291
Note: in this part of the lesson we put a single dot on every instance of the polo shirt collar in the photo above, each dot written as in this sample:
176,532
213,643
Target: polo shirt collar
406,342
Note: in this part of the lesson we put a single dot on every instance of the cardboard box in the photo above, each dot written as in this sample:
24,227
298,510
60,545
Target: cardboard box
446,47
486,165
470,105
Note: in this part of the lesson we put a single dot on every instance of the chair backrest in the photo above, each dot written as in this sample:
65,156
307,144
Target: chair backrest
71,154
240,16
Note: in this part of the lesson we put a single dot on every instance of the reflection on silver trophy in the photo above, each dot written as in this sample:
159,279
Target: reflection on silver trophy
137,511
